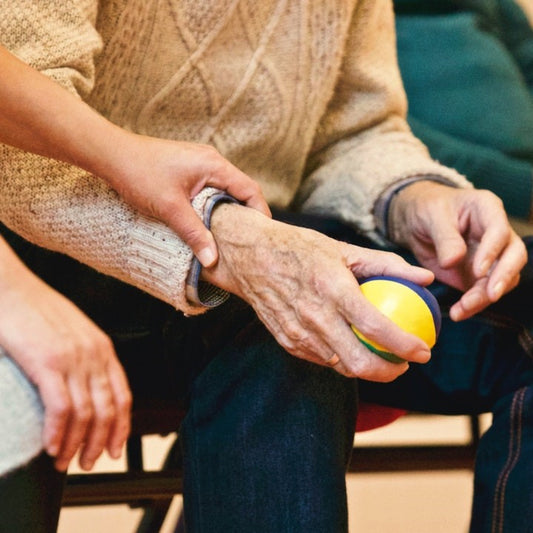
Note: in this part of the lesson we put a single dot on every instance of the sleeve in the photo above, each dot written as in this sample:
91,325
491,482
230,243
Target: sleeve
21,417
363,144
63,208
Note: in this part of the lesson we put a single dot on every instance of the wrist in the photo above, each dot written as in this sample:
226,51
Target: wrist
404,203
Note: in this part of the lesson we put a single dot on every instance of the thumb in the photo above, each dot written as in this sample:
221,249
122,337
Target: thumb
187,224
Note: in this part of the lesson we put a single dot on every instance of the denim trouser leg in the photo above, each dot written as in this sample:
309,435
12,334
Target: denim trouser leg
503,500
484,364
266,442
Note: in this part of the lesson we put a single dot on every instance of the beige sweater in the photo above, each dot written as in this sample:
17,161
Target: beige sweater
303,96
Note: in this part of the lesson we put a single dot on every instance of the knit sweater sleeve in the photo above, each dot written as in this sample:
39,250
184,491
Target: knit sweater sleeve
64,208
363,144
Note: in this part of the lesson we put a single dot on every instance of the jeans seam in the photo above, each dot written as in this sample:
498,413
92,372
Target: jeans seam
498,321
515,443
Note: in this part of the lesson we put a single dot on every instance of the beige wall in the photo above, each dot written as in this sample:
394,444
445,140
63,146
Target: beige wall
528,7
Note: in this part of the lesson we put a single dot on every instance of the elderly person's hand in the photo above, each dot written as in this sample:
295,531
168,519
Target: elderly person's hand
464,237
82,385
303,286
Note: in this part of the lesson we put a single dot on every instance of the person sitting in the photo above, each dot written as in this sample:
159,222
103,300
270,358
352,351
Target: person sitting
307,99
467,67
62,387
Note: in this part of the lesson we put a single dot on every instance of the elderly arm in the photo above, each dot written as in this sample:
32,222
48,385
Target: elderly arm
363,144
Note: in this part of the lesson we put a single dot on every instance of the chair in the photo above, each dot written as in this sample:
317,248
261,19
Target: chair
136,486
154,490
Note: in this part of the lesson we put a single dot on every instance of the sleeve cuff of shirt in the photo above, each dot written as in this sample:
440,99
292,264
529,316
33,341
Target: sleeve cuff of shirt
200,292
383,203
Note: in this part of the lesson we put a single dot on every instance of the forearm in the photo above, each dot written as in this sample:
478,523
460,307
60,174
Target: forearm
364,144
40,116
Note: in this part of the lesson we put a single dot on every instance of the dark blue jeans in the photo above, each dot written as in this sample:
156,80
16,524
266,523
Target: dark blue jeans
267,437
484,364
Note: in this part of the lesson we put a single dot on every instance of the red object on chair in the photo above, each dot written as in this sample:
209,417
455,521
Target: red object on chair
372,416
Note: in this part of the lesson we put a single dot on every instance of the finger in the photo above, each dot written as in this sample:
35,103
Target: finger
345,353
363,363
57,406
122,398
495,239
390,264
81,415
103,413
471,302
384,334
332,334
187,224
365,263
476,299
506,272
450,247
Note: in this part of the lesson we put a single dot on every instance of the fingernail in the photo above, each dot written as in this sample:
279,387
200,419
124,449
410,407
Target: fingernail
206,256
484,268
52,450
87,465
472,301
498,290
116,453
423,355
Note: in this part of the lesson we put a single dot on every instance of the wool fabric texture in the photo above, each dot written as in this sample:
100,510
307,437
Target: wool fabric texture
21,414
305,97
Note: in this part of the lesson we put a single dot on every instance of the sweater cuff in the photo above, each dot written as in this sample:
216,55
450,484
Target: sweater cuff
160,263
383,203
200,292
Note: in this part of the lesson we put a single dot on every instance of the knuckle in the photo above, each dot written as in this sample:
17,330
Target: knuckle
104,343
106,414
84,412
293,331
125,401
61,410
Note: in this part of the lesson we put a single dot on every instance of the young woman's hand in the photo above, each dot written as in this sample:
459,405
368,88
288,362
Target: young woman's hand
160,178
84,390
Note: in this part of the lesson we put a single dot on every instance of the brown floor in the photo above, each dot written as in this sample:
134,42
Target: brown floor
423,502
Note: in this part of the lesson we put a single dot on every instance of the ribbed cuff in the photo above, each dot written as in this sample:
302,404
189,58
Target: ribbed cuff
200,292
160,263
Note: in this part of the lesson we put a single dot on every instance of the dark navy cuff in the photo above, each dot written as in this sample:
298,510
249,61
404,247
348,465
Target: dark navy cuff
383,203
201,292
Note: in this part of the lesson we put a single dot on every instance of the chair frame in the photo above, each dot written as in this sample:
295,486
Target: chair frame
154,490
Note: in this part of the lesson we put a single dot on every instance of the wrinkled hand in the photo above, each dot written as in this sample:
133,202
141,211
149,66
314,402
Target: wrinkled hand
303,287
464,237
160,177
82,385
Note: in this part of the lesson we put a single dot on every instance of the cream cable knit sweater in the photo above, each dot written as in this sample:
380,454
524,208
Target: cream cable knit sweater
303,96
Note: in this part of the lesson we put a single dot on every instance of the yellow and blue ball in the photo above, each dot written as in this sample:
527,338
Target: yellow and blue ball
410,306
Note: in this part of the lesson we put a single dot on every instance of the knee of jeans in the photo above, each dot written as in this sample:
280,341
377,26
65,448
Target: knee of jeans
21,417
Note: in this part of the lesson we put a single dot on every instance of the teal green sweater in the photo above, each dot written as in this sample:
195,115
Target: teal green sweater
468,72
